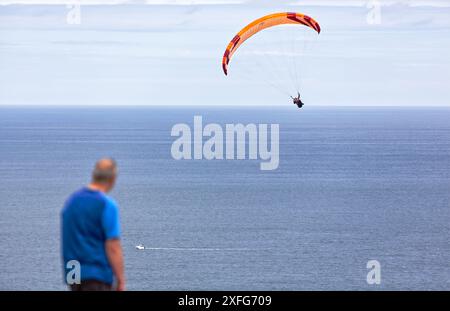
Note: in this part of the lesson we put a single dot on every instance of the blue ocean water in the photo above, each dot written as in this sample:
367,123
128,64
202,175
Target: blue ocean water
353,185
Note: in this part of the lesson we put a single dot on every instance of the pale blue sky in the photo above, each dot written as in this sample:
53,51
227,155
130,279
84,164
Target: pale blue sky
136,54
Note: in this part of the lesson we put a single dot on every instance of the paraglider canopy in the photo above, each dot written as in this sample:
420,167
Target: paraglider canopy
261,24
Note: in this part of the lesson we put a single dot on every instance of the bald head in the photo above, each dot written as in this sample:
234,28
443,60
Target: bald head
105,172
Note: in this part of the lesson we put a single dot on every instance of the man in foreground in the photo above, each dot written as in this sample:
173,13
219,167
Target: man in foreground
91,233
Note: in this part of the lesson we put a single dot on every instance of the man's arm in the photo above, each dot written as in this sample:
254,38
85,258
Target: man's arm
113,249
115,258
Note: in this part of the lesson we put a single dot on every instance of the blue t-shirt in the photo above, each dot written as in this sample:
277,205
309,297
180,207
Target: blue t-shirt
89,218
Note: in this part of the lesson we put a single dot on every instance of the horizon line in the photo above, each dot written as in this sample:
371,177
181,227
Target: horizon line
210,106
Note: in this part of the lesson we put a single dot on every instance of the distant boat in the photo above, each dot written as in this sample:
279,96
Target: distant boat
140,247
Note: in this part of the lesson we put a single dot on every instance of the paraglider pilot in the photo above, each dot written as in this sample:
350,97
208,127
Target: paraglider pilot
297,101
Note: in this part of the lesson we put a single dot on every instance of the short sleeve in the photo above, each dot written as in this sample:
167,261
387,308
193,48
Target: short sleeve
110,220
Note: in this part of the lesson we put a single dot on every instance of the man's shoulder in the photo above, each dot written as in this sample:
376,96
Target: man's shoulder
86,195
77,194
109,202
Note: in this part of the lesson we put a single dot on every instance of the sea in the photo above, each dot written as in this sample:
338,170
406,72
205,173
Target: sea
354,186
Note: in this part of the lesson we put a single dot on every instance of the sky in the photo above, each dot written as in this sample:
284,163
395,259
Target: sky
169,52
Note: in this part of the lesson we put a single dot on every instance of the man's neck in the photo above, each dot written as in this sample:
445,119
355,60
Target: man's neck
97,187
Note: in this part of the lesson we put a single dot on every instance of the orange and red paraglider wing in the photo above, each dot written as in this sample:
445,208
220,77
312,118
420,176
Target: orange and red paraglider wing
261,24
